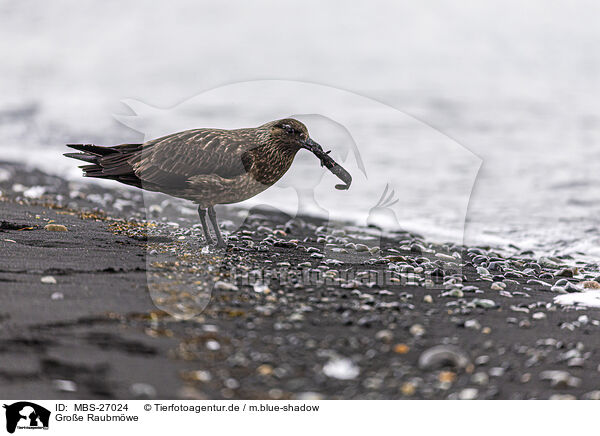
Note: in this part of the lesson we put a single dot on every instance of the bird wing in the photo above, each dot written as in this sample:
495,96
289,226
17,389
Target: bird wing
172,160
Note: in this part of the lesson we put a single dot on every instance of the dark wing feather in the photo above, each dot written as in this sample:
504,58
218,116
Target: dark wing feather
170,161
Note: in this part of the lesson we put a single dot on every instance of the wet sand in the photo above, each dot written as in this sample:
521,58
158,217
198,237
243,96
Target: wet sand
79,319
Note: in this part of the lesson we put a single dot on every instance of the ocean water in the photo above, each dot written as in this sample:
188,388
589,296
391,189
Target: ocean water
483,121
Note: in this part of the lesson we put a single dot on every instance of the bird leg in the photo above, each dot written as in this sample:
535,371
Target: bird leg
202,215
213,219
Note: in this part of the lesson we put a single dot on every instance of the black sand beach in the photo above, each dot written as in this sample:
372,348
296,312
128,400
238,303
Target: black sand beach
79,319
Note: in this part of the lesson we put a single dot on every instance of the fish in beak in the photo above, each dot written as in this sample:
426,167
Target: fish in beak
328,162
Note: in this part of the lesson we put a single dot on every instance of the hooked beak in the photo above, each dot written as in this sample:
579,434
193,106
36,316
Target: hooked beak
328,162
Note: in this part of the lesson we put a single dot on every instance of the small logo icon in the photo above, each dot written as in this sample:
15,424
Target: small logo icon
26,415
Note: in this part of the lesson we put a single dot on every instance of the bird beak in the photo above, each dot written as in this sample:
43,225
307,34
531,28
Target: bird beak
328,162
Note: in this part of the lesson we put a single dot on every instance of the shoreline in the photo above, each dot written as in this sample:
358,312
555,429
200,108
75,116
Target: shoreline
331,329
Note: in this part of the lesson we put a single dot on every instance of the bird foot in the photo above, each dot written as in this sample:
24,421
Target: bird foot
221,244
218,244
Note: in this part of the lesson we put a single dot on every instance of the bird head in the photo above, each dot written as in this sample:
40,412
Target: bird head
292,134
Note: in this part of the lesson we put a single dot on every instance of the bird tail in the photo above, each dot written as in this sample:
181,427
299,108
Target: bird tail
108,162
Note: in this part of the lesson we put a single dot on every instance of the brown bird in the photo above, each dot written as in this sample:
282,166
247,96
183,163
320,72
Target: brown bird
208,166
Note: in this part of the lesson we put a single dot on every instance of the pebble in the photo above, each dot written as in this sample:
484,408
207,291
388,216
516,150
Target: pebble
417,330
296,317
496,267
200,375
57,296
275,394
142,391
592,395
408,389
576,362
265,369
539,315
309,396
231,383
519,309
48,280
224,286
417,248
190,393
333,262
592,284
468,394
213,345
447,377
482,360
384,336
560,379
55,228
428,299
567,272
583,319
440,356
570,287
456,293
35,192
401,348
562,397
546,262
341,369
570,354
480,259
482,271
496,371
480,378
524,324
512,275
361,248
472,324
484,303
65,385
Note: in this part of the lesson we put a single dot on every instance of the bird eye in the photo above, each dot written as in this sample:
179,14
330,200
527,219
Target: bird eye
287,128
